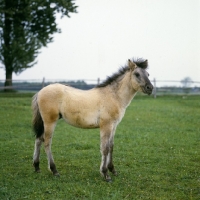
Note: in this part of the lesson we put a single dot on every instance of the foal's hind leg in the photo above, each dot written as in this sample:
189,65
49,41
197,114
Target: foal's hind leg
48,134
36,155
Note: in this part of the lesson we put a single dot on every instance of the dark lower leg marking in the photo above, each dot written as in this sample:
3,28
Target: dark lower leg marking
105,174
110,164
104,169
36,165
112,169
53,169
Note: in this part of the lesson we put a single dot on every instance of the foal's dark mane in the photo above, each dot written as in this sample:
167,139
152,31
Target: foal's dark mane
140,62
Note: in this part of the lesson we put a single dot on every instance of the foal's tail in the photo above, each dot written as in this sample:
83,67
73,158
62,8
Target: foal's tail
38,125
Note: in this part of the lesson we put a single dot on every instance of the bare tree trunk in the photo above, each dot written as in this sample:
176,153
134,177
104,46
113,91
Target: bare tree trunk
8,82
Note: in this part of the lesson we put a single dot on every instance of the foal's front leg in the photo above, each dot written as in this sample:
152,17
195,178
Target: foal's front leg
110,158
106,151
110,154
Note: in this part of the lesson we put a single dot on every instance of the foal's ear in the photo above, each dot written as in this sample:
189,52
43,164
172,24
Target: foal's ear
131,65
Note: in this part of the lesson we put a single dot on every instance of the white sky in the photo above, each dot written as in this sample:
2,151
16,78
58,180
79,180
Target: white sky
104,34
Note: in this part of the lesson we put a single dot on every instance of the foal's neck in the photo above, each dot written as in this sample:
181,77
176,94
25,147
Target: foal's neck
125,91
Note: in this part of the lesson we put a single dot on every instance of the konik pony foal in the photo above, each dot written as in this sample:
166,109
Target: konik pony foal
101,107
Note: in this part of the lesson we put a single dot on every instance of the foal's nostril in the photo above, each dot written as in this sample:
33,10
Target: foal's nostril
149,87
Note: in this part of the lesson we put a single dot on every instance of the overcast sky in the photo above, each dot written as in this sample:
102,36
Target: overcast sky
104,34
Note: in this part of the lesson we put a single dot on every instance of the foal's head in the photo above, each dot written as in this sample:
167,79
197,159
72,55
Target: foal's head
139,76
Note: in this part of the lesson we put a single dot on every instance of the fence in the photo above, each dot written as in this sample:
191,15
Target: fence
160,87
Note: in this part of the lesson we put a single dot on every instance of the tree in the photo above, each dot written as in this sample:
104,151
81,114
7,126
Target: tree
26,26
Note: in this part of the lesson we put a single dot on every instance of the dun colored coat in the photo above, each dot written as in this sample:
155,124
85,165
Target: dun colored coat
101,107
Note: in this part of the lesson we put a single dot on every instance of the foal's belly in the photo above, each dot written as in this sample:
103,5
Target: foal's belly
82,120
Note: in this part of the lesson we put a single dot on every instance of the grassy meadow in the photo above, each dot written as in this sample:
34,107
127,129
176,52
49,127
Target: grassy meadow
156,153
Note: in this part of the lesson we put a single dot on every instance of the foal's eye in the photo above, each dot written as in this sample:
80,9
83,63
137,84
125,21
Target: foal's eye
137,75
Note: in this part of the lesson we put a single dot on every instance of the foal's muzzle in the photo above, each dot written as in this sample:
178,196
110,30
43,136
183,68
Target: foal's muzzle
148,88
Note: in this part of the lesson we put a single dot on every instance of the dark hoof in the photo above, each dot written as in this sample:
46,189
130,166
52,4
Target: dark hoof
36,166
56,174
109,180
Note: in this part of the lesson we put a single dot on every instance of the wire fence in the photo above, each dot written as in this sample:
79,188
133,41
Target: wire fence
161,87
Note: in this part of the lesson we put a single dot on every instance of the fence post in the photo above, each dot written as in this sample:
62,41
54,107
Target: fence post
154,89
98,81
43,81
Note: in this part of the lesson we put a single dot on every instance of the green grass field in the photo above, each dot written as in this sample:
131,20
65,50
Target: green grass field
157,154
